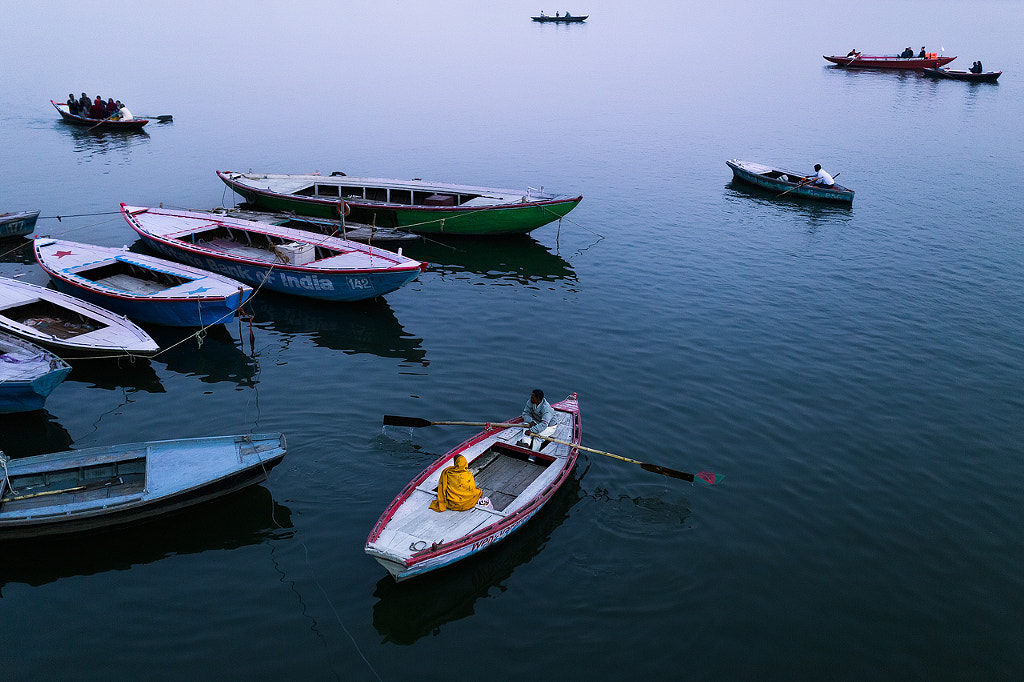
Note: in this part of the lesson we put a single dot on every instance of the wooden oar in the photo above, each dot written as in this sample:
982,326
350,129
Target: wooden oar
416,422
809,180
162,119
102,122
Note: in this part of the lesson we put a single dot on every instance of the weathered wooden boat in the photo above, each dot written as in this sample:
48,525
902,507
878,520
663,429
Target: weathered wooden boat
67,325
863,61
17,224
98,123
566,19
411,539
28,374
414,205
144,288
355,232
793,184
281,259
983,77
98,487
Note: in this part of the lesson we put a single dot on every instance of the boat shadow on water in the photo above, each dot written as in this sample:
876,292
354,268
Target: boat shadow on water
814,211
246,517
38,432
407,611
213,358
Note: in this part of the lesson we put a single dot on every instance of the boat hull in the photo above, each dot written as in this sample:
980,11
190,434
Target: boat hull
97,123
889,62
754,174
560,20
983,77
18,224
28,374
479,220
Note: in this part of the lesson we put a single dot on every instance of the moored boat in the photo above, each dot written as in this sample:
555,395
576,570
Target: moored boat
144,288
982,77
67,325
414,205
17,224
97,487
863,61
278,258
563,19
793,184
411,539
98,123
28,374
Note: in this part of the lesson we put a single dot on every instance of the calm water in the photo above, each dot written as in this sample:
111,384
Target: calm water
854,373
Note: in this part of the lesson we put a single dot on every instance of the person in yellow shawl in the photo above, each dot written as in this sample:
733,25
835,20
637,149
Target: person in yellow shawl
456,489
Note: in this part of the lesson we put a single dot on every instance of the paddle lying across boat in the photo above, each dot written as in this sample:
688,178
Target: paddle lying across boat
98,123
981,77
17,224
279,258
864,61
78,490
67,325
28,374
410,538
793,184
414,205
144,288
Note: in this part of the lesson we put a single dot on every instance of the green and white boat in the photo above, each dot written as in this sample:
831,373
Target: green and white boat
413,205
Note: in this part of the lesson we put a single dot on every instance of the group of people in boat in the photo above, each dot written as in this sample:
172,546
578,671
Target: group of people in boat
976,67
98,109
457,490
567,15
909,54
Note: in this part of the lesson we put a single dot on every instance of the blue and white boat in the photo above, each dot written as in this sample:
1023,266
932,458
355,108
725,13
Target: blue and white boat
279,258
17,224
144,288
28,374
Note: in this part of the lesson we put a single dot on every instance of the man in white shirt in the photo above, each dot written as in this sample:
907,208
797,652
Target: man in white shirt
821,177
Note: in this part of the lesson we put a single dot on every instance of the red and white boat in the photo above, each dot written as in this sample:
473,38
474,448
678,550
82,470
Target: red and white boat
411,539
931,60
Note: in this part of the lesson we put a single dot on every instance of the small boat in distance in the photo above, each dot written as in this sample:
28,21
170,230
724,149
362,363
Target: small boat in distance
279,258
793,184
563,19
99,487
17,224
98,123
863,61
414,205
28,374
67,325
411,539
982,77
145,288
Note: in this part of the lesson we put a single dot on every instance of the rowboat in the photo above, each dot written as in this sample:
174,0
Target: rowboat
411,539
983,77
27,374
144,288
98,123
415,205
567,19
863,61
67,325
278,258
354,232
794,184
98,487
17,224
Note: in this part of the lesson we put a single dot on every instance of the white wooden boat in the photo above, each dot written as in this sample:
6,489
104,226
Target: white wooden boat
68,325
96,487
278,258
28,374
411,539
145,288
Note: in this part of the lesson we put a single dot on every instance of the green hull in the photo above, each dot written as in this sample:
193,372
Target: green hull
496,220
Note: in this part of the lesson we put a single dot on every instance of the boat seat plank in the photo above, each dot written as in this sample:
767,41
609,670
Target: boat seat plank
133,285
60,464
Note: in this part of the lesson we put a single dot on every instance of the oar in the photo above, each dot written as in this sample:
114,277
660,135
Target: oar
855,55
809,180
416,422
102,122
162,119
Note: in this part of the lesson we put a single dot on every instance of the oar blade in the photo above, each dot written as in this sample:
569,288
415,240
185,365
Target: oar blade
665,471
413,422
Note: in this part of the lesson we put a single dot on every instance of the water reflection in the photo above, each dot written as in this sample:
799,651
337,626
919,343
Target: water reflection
815,212
246,517
102,141
32,433
133,374
214,358
353,328
516,258
17,250
404,612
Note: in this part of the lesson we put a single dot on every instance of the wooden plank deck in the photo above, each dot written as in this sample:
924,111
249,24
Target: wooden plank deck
134,285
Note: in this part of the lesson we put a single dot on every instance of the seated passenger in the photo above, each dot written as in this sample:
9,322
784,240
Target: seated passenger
83,105
976,67
98,110
111,106
72,105
907,53
923,54
456,489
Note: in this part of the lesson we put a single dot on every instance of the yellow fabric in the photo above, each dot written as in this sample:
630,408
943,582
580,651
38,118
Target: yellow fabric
456,489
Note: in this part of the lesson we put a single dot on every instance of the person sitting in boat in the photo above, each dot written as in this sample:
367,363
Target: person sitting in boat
976,67
907,53
821,177
456,489
922,54
98,109
538,416
853,53
122,113
83,105
72,105
111,106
